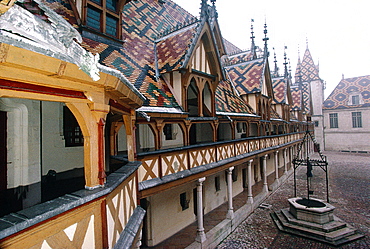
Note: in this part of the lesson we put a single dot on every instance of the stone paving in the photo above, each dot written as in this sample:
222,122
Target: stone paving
349,192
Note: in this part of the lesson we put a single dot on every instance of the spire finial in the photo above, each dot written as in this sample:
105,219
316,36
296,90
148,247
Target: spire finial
285,63
213,2
276,69
306,42
203,8
265,53
253,45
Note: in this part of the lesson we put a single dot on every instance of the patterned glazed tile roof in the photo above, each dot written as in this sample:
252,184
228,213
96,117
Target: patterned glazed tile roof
231,48
341,96
280,90
308,70
240,57
247,76
150,30
306,98
171,50
296,98
228,101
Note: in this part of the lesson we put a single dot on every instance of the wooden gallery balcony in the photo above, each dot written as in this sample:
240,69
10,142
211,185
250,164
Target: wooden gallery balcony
164,167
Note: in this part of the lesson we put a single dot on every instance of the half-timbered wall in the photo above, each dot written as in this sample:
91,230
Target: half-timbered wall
199,61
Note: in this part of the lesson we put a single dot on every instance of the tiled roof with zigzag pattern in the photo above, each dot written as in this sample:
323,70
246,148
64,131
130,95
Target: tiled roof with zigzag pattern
228,101
308,68
279,88
247,76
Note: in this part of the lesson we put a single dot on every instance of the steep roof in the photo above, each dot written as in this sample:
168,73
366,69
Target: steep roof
341,96
296,98
247,76
308,68
228,101
157,40
279,85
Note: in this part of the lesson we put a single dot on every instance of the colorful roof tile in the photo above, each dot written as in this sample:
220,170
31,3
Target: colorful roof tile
247,76
306,94
341,96
228,101
296,98
308,69
231,48
280,90
171,50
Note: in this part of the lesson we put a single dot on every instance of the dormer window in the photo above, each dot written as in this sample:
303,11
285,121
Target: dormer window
103,16
355,100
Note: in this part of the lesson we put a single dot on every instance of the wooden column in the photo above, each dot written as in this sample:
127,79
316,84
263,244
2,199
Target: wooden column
130,136
285,160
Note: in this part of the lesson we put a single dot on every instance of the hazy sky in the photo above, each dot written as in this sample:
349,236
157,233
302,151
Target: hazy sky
337,31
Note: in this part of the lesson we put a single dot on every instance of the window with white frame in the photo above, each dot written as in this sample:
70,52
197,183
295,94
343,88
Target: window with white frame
333,120
356,120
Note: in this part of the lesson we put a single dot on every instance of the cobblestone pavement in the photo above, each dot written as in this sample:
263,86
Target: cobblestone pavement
349,184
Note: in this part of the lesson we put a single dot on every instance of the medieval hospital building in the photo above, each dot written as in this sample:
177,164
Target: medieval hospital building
122,122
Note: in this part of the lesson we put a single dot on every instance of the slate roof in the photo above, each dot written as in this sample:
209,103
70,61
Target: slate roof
228,101
340,97
247,76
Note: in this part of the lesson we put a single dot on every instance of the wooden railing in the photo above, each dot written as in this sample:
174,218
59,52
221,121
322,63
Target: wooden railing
165,162
84,219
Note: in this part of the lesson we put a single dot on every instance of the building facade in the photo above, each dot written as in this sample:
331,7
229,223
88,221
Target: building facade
345,112
122,122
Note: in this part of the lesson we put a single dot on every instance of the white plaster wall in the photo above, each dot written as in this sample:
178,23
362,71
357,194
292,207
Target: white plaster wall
177,134
146,137
270,164
213,198
167,217
23,140
345,137
54,153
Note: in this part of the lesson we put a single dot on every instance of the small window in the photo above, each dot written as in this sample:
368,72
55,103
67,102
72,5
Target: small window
316,123
333,119
356,120
71,130
167,131
355,100
184,202
103,16
217,183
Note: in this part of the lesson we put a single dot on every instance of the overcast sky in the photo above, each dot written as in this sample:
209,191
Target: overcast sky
337,31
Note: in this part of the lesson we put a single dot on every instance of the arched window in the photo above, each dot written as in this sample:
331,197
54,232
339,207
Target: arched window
192,98
207,100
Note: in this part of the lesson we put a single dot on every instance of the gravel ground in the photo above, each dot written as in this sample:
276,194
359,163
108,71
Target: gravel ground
349,192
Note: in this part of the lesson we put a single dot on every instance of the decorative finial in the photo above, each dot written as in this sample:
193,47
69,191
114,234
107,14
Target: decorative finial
285,63
203,8
213,2
253,46
276,70
266,53
306,42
